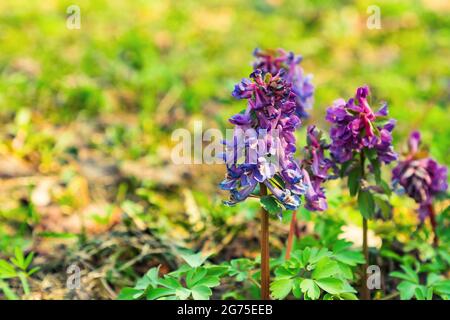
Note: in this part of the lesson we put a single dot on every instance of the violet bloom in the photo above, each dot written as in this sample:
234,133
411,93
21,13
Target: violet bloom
420,176
267,153
273,61
355,127
315,170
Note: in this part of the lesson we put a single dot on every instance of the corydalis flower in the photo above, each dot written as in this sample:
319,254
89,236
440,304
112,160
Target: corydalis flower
268,153
355,127
269,97
272,61
420,176
315,169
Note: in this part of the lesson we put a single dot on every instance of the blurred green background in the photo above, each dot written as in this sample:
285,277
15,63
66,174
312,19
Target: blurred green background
87,114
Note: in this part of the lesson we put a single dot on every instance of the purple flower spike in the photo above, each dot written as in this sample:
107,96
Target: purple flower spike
268,154
355,127
273,61
315,197
315,170
420,176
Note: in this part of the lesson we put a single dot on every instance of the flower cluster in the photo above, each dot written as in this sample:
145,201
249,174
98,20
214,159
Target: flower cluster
315,169
263,144
273,61
420,176
355,127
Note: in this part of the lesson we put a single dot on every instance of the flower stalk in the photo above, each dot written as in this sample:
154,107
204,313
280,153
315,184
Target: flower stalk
265,267
292,232
365,295
433,225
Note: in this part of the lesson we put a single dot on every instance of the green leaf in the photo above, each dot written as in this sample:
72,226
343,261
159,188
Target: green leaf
352,258
149,279
413,276
130,294
366,204
24,281
370,154
406,290
305,254
442,287
421,293
310,289
325,268
296,290
401,275
382,202
346,271
429,293
217,270
331,285
280,288
354,180
28,260
201,292
209,281
271,205
344,167
156,293
142,284
183,293
33,270
19,259
194,260
317,254
348,296
285,271
340,245
170,282
7,270
433,278
194,275
376,167
152,275
385,186
184,268
9,294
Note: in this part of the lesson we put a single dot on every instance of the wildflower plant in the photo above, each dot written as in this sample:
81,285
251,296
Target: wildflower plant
192,280
260,154
316,168
359,134
314,273
421,178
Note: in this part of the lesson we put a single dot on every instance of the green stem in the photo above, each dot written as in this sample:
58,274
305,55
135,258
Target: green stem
290,240
365,295
433,225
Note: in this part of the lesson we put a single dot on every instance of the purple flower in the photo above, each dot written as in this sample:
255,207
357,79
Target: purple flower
268,152
420,176
315,170
289,199
315,196
272,61
355,127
